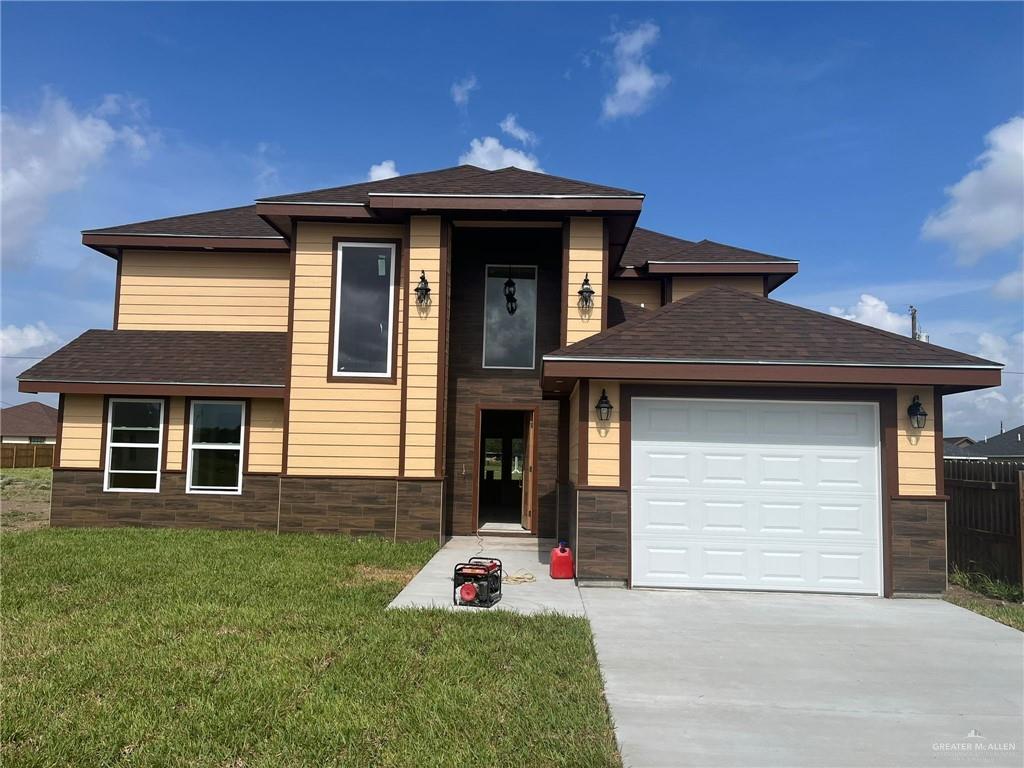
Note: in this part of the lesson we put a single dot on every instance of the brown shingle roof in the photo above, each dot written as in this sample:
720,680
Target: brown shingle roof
620,311
168,357
460,180
646,245
228,222
730,325
33,419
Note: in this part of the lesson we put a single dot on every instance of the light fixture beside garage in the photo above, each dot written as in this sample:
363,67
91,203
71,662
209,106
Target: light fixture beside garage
918,415
604,407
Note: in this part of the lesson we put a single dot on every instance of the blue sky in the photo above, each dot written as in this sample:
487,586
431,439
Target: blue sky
882,145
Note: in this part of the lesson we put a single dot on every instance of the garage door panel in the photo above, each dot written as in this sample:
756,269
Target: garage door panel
790,500
755,565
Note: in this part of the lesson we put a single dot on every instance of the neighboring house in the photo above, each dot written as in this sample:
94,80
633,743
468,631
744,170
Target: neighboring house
1006,445
959,441
32,422
282,366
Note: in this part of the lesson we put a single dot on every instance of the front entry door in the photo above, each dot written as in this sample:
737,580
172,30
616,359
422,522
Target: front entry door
529,501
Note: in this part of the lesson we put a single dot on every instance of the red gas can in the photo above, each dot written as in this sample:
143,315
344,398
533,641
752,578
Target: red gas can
561,562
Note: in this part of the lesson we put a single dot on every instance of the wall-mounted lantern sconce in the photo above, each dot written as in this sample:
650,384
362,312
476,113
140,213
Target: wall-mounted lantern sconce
604,407
586,293
916,412
423,290
510,294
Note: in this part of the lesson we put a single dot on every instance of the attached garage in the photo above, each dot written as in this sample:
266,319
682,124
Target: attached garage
758,495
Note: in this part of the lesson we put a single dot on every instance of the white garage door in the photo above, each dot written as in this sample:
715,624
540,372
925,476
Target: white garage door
745,494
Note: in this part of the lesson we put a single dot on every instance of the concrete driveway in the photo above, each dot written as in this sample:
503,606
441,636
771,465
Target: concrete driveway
732,679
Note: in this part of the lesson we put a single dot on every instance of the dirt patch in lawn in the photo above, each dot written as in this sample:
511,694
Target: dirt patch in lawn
24,499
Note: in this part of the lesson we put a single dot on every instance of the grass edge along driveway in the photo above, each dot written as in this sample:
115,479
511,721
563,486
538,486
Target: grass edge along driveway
186,647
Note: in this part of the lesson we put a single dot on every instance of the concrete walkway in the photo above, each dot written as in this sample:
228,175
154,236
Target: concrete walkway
697,678
432,586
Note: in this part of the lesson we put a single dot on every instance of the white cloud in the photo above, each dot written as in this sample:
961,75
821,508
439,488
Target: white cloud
54,150
267,176
385,169
985,211
462,88
511,126
872,310
980,413
1011,285
16,339
491,154
636,84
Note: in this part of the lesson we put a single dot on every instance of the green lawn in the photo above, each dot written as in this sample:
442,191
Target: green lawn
202,648
989,597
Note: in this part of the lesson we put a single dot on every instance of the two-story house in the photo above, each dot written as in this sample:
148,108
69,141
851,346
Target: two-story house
466,351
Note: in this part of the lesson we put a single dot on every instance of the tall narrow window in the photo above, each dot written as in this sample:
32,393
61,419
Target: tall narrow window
134,445
510,316
365,302
215,444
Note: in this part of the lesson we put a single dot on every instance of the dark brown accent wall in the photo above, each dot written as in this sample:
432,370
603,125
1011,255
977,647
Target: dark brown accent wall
79,501
418,510
471,386
602,534
918,545
392,508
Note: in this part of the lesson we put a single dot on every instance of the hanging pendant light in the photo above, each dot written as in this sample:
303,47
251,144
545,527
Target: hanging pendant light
510,293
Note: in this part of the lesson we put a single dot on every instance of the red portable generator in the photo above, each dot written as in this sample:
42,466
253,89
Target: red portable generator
478,582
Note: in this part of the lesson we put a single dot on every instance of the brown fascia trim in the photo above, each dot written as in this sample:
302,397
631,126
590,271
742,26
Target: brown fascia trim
962,378
102,243
723,268
502,203
150,388
313,210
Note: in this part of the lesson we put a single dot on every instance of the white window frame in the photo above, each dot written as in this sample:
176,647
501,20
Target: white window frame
111,445
536,311
240,447
336,337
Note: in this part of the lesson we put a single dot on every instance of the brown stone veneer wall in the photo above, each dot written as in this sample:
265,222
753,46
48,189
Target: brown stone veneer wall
602,534
403,510
78,500
918,545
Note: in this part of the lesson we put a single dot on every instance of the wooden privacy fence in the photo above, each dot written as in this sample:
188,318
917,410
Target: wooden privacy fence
25,455
985,517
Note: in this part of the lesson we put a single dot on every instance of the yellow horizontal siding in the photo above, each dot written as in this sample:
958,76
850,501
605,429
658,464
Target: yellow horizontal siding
916,447
337,428
603,437
421,373
176,433
586,258
687,286
642,292
81,435
182,290
266,435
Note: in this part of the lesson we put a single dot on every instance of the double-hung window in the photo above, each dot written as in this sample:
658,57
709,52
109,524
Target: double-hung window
215,446
364,295
134,445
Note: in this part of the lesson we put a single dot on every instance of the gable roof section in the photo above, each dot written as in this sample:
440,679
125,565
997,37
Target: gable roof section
459,181
723,329
226,222
654,253
238,363
33,419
